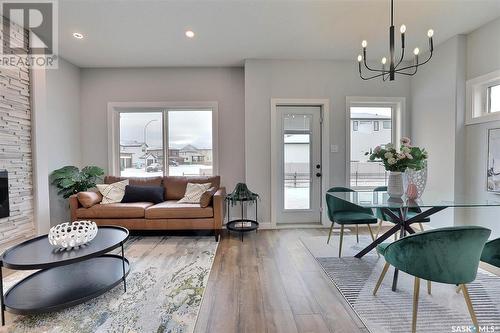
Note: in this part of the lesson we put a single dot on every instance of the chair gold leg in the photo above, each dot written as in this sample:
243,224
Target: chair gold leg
341,239
429,287
357,234
459,288
381,278
470,307
330,234
396,236
416,291
421,226
378,228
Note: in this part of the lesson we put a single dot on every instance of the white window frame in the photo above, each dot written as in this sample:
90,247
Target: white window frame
477,99
115,108
398,119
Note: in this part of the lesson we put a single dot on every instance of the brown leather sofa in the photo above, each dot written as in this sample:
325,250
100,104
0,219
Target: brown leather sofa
168,215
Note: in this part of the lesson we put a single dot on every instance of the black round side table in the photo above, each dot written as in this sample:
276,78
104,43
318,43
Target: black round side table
244,197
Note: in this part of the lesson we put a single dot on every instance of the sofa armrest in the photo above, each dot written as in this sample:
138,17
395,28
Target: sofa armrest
219,207
74,204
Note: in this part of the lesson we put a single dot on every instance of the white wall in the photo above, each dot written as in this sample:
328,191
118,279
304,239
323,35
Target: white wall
333,80
224,85
63,134
437,121
483,56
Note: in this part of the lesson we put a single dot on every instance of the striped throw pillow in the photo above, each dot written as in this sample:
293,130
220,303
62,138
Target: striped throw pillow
112,193
194,192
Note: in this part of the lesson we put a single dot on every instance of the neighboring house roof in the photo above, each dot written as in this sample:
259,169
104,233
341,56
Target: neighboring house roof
356,116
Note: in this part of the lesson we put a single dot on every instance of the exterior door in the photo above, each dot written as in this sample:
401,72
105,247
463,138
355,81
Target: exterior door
299,187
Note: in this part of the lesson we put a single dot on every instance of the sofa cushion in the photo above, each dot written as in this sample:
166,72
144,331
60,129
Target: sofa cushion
206,198
88,198
147,181
175,186
141,193
173,210
114,211
112,193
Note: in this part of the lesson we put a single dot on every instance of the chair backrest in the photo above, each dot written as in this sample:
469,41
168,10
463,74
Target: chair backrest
491,253
447,255
335,204
380,189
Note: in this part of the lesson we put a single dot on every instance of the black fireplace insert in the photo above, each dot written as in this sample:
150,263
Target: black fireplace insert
4,194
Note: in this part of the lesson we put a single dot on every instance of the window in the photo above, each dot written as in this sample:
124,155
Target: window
483,98
157,142
494,98
354,125
364,173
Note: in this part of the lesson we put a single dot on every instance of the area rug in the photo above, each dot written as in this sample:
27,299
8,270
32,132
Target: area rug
442,311
165,286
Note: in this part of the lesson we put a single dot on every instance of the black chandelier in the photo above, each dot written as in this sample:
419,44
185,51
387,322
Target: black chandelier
394,68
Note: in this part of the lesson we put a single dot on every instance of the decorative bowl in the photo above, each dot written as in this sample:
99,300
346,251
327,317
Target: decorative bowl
69,235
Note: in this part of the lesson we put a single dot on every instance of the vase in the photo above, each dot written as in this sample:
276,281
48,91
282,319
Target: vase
416,180
395,186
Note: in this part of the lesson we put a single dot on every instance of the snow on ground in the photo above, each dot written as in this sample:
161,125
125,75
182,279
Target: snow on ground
180,170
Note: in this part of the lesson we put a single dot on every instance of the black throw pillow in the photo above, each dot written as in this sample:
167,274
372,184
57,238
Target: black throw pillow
142,193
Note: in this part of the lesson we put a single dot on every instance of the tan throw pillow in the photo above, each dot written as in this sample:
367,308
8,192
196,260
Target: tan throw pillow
206,197
112,193
88,199
194,192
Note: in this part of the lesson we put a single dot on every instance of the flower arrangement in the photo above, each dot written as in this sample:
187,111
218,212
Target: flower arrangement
408,156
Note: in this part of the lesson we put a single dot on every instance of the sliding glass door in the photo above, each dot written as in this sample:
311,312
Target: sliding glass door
184,136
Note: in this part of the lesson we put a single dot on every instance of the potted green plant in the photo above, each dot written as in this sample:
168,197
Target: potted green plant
71,180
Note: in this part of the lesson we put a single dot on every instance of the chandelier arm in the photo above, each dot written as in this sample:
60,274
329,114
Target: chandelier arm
417,64
400,59
372,69
371,77
409,74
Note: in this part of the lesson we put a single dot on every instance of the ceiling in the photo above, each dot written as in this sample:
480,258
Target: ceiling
126,33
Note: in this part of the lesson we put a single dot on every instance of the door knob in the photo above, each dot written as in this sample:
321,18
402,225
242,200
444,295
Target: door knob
318,174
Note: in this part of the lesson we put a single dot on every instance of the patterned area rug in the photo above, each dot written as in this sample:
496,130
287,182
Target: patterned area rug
165,286
442,311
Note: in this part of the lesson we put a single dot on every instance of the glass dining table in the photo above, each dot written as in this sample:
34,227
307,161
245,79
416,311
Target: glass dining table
397,210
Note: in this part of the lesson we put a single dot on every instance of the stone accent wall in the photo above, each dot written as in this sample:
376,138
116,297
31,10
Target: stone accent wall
15,150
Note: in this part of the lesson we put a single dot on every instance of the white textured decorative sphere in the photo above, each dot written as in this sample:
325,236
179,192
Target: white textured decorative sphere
68,235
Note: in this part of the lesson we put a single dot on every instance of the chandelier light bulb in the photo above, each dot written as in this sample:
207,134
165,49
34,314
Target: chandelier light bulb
430,33
360,58
416,51
384,60
402,29
364,43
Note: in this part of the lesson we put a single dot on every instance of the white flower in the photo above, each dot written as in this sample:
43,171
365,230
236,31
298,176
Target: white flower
389,146
401,156
408,155
391,161
388,155
405,149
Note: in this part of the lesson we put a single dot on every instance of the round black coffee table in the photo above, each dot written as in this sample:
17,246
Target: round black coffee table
65,278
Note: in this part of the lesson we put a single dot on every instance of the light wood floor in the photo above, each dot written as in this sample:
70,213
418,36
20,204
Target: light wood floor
270,283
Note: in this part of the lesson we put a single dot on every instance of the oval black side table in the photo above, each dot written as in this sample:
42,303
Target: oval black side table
65,278
244,196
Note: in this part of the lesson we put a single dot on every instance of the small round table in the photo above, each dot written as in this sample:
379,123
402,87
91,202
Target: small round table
65,277
243,224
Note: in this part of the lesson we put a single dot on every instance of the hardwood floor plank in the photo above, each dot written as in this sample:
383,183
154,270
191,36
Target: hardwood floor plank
311,324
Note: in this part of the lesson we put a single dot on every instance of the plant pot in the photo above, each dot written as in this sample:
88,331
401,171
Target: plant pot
395,186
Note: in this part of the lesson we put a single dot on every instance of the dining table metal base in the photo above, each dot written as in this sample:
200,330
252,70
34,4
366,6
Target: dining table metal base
401,224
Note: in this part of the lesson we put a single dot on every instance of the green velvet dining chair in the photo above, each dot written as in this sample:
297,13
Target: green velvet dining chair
491,253
346,213
445,255
384,217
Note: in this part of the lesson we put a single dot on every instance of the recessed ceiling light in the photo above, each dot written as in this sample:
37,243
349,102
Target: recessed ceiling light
189,34
77,35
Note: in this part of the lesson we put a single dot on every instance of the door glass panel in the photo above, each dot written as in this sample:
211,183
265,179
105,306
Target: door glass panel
141,144
190,143
297,161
